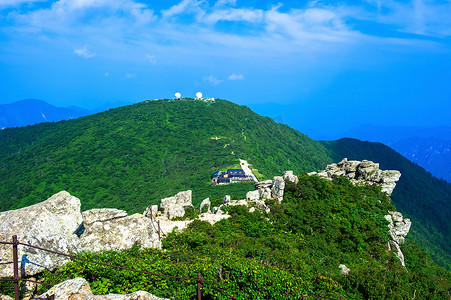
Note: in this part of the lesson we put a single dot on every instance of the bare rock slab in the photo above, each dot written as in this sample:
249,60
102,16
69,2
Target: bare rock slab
50,224
79,289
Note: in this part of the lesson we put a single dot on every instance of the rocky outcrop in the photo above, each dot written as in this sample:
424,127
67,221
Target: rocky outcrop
57,224
119,233
50,224
289,176
226,199
271,189
205,203
344,270
252,204
151,211
79,288
175,206
362,172
253,195
398,230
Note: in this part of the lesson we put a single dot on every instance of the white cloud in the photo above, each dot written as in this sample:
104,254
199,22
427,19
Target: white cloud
84,52
129,75
424,17
151,59
225,2
213,80
234,14
236,77
185,6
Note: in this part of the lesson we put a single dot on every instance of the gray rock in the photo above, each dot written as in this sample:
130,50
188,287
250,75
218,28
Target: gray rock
5,297
175,206
289,176
102,215
362,172
227,199
151,211
278,188
344,270
120,234
78,288
50,224
253,195
398,230
205,203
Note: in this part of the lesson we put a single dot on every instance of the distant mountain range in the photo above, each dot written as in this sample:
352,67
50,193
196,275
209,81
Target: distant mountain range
33,111
430,148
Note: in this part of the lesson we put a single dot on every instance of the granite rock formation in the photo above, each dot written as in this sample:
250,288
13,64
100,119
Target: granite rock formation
79,288
175,206
50,224
398,230
362,172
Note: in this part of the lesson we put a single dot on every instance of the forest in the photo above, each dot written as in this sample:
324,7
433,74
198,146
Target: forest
133,156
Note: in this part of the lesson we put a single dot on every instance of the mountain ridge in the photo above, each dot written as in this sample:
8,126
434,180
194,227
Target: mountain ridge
133,156
32,111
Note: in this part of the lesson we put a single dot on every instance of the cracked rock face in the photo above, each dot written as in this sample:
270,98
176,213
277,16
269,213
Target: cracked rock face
398,230
50,224
362,172
271,189
175,206
102,215
289,176
119,234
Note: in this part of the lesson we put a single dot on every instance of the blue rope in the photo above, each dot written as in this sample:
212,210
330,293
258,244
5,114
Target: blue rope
24,261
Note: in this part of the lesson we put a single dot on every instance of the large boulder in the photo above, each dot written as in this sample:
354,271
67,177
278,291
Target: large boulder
205,203
398,230
120,233
175,206
278,188
50,224
79,289
253,195
271,189
359,172
289,176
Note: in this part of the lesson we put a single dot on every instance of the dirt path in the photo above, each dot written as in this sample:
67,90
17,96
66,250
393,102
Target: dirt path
245,166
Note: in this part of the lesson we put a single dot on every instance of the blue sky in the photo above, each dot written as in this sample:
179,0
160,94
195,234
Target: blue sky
322,67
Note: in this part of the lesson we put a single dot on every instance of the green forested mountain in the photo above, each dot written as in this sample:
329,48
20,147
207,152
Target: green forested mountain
420,196
133,156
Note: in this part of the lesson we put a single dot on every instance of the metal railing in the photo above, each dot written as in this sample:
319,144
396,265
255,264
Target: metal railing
16,278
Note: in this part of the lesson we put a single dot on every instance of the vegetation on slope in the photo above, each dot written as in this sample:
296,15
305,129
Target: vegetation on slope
133,156
420,196
294,252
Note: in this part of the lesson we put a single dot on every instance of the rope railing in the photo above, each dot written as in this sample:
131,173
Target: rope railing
16,278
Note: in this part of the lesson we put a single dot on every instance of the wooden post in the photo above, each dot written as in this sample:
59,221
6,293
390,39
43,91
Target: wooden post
16,268
199,279
159,229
